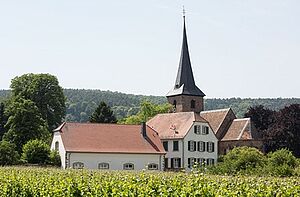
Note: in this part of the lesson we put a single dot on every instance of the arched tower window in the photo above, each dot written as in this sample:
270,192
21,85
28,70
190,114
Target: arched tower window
174,103
193,104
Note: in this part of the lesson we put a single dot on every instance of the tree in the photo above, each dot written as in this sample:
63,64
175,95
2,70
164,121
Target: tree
285,131
24,123
261,117
36,152
8,155
103,114
45,92
3,119
281,163
55,158
243,158
147,111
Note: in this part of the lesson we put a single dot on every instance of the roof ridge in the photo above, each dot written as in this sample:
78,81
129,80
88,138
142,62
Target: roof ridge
215,110
95,123
242,131
241,119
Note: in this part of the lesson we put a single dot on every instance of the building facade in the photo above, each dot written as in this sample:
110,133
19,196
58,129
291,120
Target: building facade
108,146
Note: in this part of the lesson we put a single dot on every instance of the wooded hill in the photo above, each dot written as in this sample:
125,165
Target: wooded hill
82,103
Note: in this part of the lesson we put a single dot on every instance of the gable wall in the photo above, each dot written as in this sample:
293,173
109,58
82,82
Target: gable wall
62,151
225,125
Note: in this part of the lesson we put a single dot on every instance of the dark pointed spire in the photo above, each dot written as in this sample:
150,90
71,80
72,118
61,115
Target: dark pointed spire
185,84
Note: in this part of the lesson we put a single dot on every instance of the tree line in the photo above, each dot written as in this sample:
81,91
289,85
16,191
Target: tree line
80,103
37,104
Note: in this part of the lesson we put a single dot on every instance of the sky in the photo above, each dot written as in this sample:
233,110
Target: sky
238,48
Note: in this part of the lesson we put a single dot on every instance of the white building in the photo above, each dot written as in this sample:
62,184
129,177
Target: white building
187,139
108,146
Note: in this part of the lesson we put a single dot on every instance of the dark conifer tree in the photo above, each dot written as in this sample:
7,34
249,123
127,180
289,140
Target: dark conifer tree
103,114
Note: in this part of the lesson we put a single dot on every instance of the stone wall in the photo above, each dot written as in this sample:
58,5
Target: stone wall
183,103
226,146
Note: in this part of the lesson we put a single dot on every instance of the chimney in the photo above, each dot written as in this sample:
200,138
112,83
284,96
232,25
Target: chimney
143,129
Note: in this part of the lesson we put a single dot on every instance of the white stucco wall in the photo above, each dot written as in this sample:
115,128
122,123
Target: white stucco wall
184,153
173,154
61,150
210,137
115,160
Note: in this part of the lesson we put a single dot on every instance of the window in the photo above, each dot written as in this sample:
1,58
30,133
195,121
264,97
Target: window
193,104
201,161
210,147
205,130
175,146
210,161
191,146
78,165
153,166
191,162
165,144
103,166
197,129
175,162
128,166
57,146
201,146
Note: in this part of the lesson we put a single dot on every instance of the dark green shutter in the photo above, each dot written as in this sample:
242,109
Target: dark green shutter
172,162
203,146
195,129
189,145
179,162
189,162
207,148
213,146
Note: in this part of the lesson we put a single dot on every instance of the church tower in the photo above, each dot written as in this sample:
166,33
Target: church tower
185,96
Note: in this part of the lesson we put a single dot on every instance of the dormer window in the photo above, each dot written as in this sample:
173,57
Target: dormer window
205,130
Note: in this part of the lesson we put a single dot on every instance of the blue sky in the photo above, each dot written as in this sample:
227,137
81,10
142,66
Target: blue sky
238,48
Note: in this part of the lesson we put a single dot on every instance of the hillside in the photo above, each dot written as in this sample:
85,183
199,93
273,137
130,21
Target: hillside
81,103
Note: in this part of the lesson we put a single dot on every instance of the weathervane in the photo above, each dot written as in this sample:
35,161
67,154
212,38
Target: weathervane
183,11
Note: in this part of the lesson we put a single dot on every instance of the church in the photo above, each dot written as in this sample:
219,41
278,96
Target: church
170,141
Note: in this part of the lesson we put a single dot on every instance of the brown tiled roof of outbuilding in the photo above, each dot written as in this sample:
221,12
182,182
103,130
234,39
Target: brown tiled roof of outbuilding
109,138
239,130
215,117
174,125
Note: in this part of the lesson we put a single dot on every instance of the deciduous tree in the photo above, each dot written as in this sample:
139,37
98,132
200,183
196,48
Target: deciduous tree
24,123
285,131
3,120
45,92
36,152
147,111
8,155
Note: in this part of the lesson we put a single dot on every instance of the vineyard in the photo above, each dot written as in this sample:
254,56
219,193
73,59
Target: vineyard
53,182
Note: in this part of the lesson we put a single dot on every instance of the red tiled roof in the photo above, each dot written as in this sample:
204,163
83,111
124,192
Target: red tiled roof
109,138
174,125
239,130
215,117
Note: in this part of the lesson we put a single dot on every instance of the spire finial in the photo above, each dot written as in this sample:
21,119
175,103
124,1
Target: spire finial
183,11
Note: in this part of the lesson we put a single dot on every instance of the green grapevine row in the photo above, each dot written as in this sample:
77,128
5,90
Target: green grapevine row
16,181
